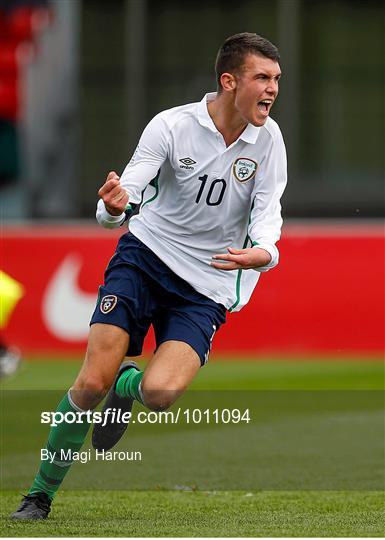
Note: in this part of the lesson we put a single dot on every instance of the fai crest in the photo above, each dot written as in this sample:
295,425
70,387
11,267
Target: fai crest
244,169
107,303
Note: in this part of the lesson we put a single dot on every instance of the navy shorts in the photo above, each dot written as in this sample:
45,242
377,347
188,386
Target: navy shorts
140,290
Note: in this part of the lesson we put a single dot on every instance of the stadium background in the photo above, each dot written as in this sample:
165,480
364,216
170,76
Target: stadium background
77,85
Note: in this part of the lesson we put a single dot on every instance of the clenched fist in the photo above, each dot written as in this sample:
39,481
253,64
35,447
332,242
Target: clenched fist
115,198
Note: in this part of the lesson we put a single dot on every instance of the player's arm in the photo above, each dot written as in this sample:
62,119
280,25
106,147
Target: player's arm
265,218
119,196
246,259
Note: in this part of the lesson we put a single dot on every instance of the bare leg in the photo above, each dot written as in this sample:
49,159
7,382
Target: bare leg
168,374
107,347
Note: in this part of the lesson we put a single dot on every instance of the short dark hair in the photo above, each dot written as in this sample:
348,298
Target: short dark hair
231,55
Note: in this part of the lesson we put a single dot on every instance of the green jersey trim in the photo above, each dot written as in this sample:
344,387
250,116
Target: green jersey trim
238,283
237,291
155,183
239,276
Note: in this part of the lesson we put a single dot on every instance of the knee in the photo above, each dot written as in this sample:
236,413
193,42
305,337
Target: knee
157,399
88,391
93,384
157,403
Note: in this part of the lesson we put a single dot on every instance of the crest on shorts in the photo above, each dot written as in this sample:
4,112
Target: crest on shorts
244,169
107,303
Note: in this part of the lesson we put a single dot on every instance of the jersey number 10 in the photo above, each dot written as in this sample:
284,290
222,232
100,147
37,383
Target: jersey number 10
215,192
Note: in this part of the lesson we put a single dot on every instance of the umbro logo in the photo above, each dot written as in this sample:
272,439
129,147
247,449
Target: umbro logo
187,162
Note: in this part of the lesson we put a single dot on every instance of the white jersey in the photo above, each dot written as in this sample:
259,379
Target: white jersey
205,197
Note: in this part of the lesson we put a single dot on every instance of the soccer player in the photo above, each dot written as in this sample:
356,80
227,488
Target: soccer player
208,177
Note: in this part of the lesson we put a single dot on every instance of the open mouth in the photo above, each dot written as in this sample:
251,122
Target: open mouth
264,105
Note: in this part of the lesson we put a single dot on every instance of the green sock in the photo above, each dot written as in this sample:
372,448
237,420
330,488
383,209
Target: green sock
128,384
64,436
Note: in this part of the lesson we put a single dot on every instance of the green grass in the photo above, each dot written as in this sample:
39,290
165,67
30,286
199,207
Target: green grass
212,514
345,404
237,374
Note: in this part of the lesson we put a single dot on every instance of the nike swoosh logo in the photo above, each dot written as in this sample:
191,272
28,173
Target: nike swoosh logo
66,308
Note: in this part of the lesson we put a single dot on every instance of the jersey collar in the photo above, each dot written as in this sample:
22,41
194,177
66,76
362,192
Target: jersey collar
204,118
249,135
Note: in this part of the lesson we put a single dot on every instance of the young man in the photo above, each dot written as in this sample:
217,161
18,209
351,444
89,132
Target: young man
209,177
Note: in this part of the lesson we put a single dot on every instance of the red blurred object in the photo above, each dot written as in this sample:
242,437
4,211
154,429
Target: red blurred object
319,300
9,63
18,30
9,98
3,25
12,56
25,22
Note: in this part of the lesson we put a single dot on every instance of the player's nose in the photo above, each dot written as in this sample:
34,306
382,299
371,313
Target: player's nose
272,87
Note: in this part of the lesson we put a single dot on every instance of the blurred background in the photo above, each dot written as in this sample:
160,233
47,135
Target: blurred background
79,80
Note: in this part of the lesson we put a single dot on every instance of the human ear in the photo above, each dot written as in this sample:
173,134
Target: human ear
228,82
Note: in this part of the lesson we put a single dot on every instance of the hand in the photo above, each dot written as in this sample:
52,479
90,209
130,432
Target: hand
115,198
241,258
